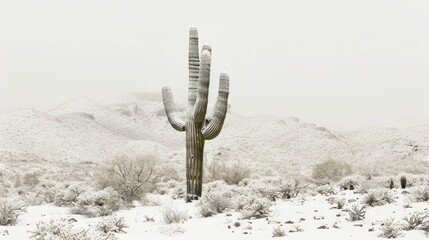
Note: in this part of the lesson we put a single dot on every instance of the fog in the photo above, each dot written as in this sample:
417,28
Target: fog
339,64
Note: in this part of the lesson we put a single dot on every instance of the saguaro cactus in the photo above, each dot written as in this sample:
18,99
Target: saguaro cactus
198,128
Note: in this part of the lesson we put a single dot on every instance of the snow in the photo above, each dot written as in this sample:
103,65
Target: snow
314,209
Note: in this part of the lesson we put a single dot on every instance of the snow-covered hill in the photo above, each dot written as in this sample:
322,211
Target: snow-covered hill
86,130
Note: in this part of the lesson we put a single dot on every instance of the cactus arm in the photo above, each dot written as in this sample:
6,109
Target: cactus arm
171,110
214,127
194,67
200,107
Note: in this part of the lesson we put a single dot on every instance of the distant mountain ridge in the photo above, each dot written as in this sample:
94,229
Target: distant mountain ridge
86,130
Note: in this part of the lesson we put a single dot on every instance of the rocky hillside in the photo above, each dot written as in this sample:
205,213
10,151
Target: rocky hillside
86,130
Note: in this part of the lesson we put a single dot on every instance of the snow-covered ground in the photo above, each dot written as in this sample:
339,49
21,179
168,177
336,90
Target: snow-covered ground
308,213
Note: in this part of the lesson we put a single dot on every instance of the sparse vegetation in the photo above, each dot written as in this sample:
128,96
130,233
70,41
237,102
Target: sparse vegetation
97,204
331,170
378,197
129,176
356,213
279,232
172,215
390,229
10,209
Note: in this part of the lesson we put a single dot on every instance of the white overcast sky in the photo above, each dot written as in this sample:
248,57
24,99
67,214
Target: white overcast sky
340,64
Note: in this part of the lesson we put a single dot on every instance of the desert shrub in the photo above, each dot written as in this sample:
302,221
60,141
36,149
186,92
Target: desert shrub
61,229
390,229
279,232
129,176
58,230
167,172
420,194
31,179
349,183
251,206
331,170
97,204
112,224
289,188
339,202
205,211
378,197
326,190
232,174
266,189
217,197
356,213
68,195
235,173
414,221
44,192
171,215
10,209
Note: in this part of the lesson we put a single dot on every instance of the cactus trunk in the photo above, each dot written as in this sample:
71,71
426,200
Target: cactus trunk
194,160
197,126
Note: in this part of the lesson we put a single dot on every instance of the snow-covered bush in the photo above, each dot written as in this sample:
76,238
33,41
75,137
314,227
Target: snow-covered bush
231,174
416,220
235,173
350,182
31,179
58,230
338,202
279,232
420,193
356,213
390,229
217,197
171,215
44,192
129,176
289,188
111,224
97,204
10,209
327,190
205,211
266,189
378,197
254,207
68,194
61,229
331,170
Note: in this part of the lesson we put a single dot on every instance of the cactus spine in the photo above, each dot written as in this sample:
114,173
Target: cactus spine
198,128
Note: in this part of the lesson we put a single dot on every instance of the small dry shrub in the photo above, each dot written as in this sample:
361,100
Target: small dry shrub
416,220
420,193
390,229
58,230
326,190
252,206
356,213
378,197
230,174
97,204
67,196
279,232
331,170
10,209
112,224
171,216
127,175
217,197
